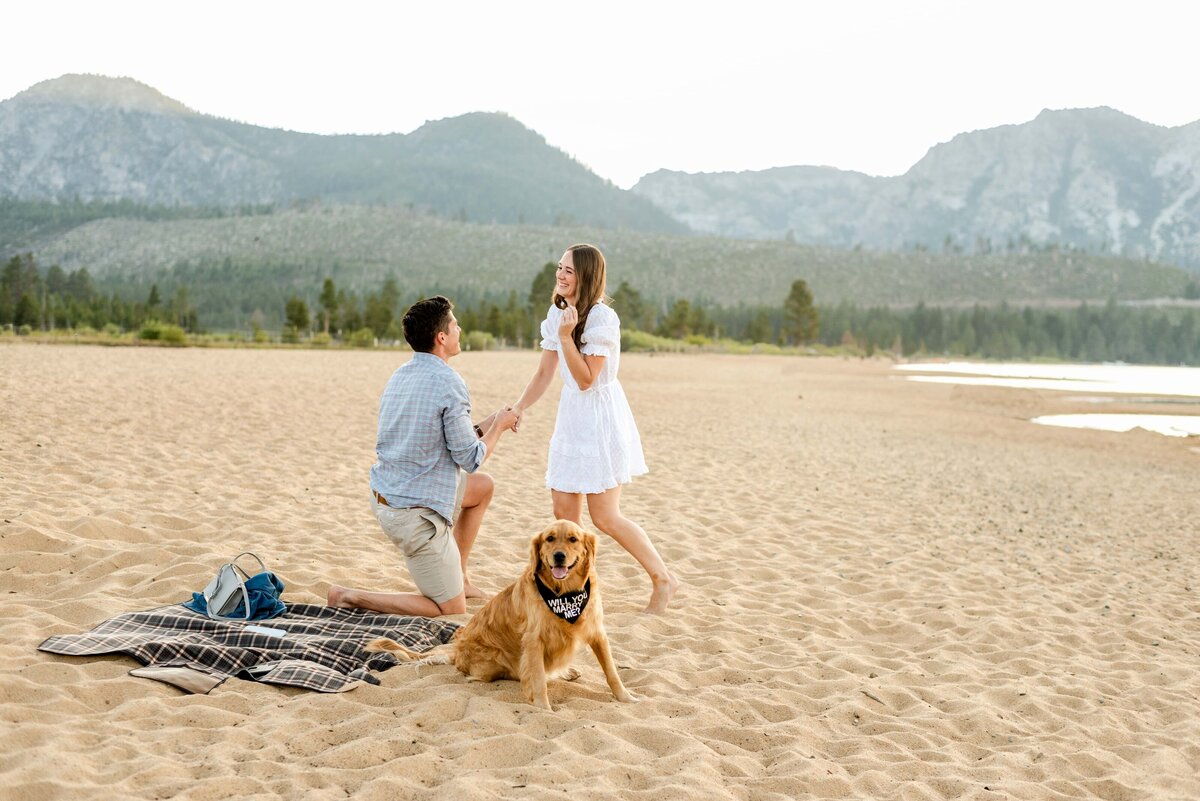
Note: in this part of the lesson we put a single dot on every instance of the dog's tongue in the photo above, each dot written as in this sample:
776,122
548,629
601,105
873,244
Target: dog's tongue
560,573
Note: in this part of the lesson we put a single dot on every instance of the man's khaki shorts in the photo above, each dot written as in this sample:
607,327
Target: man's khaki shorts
428,544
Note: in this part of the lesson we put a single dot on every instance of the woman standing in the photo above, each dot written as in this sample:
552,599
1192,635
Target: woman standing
595,448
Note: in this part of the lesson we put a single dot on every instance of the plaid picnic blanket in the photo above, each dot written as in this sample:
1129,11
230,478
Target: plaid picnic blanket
321,648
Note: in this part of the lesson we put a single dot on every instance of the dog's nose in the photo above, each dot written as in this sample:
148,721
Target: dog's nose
560,557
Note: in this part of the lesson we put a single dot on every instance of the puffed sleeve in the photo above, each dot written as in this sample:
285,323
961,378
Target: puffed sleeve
602,332
550,329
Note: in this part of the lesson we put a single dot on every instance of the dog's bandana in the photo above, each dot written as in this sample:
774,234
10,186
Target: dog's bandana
570,605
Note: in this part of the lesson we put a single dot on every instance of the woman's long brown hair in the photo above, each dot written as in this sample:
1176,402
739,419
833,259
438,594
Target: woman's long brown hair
590,279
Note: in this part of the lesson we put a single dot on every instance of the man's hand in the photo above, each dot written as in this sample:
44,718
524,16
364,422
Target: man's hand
507,419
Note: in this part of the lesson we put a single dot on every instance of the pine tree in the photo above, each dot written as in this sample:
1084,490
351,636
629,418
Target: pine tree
759,327
296,314
801,322
378,314
153,302
629,305
542,288
677,322
329,301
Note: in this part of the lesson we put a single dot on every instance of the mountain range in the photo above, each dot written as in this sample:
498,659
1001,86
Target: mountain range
1092,179
91,138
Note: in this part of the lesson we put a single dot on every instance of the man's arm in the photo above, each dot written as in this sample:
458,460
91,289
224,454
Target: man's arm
466,449
496,424
482,426
470,445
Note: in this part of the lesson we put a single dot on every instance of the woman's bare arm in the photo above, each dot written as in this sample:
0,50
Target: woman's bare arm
537,384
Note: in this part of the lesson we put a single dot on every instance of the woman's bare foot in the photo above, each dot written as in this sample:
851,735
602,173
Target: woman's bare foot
664,591
337,598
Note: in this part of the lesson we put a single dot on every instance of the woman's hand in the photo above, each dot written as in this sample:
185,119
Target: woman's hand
567,323
519,412
507,418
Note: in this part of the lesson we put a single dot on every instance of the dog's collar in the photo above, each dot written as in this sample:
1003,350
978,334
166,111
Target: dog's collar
570,605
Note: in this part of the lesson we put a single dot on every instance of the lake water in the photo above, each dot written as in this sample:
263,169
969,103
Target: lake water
1172,425
1120,379
1097,383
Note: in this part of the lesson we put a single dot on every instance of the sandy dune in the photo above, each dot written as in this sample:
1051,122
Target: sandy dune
891,589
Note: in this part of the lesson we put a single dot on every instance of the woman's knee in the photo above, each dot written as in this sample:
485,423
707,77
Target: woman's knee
566,509
606,520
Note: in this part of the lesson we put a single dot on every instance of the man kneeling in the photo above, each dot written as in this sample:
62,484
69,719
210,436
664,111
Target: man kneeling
425,489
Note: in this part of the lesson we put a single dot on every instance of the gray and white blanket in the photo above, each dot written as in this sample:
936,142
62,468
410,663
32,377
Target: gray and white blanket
321,648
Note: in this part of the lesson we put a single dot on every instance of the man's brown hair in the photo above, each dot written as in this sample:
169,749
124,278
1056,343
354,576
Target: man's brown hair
424,319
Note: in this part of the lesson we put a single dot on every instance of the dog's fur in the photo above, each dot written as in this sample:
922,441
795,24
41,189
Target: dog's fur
515,635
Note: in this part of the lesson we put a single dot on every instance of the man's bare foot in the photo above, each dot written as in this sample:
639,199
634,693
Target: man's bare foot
337,598
474,592
664,591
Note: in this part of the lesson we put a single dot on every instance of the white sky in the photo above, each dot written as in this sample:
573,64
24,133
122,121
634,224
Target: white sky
630,87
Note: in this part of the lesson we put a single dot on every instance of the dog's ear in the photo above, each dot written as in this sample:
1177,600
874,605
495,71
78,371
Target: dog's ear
535,555
589,550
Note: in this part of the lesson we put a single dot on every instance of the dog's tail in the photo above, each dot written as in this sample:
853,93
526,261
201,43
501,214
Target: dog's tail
441,655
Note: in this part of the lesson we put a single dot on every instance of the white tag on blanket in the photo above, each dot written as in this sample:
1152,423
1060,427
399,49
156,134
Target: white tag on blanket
270,632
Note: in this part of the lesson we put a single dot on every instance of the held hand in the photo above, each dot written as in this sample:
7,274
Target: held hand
566,325
507,419
520,413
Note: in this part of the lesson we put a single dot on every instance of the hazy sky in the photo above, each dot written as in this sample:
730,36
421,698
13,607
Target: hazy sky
631,87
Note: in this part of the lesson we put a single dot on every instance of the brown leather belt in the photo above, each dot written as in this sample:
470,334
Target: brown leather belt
381,499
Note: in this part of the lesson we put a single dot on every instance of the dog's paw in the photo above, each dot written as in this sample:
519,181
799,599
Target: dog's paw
627,698
570,674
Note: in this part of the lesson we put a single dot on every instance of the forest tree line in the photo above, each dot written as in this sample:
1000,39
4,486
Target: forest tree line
32,299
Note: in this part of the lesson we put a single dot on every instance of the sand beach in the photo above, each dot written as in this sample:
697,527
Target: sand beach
891,589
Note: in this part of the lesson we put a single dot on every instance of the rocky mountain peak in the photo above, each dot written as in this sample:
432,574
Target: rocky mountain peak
90,137
1096,115
1089,178
101,91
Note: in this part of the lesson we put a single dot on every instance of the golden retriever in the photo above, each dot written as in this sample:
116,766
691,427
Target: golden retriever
529,633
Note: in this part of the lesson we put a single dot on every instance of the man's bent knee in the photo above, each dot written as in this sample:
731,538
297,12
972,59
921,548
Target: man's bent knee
455,606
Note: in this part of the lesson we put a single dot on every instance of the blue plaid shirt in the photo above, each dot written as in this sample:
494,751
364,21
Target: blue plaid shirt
425,436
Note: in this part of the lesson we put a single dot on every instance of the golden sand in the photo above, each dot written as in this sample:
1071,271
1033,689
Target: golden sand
890,589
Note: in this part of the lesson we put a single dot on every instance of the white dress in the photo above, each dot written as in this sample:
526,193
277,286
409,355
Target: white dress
595,446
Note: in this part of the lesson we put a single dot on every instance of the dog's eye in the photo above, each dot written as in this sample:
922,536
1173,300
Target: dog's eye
574,539
550,538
